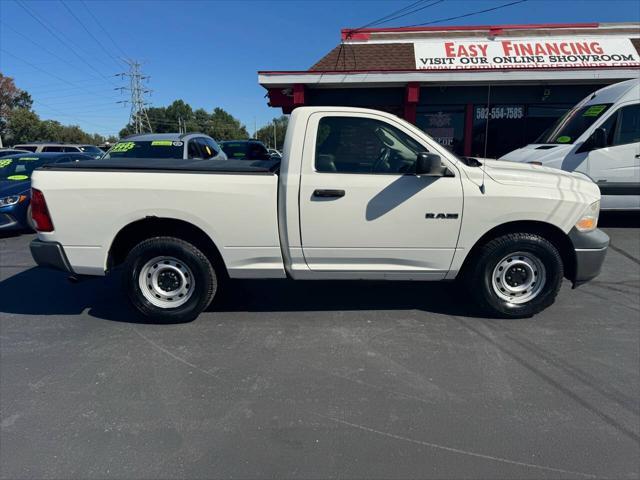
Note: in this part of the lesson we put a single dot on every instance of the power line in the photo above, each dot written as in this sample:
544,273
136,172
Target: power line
468,14
106,32
411,12
47,86
63,114
374,22
64,42
96,92
115,59
45,49
49,73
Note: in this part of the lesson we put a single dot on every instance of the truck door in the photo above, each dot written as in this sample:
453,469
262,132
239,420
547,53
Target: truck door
616,168
363,210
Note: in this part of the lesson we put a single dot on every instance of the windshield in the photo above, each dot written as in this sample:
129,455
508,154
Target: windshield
149,149
18,169
90,149
573,124
245,150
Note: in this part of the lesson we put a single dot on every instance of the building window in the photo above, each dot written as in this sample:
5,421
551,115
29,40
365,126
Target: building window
445,124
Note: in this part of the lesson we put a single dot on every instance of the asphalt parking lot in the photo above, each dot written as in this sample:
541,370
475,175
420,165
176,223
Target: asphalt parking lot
319,380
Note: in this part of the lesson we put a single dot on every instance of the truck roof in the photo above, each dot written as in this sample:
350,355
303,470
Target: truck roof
147,137
623,91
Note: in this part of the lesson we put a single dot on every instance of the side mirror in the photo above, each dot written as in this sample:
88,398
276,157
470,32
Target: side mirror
430,165
598,138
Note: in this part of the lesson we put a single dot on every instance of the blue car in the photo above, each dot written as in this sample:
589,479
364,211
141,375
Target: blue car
15,185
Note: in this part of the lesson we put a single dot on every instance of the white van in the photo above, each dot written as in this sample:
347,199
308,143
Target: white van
599,137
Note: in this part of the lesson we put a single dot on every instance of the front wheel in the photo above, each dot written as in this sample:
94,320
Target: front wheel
516,275
169,280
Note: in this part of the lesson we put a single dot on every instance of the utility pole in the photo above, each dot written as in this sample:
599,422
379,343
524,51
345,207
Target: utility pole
138,116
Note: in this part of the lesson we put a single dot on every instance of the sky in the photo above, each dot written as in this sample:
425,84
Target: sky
208,52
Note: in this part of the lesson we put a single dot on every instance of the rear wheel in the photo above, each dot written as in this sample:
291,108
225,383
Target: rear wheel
516,275
169,280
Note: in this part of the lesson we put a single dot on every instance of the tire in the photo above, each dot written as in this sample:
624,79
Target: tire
168,280
515,276
29,220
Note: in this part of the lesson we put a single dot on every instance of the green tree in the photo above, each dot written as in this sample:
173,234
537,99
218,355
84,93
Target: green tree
50,130
266,133
74,134
11,98
224,126
23,126
219,124
20,124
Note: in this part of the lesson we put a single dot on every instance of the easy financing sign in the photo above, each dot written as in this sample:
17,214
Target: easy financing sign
526,53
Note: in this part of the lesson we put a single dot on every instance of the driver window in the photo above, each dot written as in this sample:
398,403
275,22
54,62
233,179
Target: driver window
363,145
193,149
628,128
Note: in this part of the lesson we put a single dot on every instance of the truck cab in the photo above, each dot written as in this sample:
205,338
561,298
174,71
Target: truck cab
599,137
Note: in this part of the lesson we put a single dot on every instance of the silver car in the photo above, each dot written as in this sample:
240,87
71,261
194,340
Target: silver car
189,146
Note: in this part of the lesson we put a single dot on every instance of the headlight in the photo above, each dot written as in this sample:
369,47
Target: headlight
12,200
589,219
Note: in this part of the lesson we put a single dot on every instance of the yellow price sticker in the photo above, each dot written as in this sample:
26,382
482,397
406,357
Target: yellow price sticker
5,163
594,111
123,147
18,177
28,159
161,143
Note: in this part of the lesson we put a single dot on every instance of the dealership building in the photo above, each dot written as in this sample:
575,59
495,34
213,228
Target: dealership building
478,90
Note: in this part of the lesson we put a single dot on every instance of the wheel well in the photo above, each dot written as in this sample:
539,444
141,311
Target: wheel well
150,227
552,233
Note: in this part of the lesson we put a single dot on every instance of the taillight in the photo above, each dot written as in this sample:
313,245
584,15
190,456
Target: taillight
40,212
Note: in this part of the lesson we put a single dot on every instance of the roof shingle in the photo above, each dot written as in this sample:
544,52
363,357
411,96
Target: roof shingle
376,56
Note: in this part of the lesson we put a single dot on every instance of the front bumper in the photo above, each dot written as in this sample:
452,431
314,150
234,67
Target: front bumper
50,255
8,222
591,249
14,217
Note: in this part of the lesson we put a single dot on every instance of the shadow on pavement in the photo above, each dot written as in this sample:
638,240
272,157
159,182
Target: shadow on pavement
12,233
40,291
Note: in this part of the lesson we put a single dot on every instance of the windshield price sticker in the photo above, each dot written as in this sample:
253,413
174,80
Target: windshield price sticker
18,177
594,111
123,147
4,163
161,143
563,139
28,159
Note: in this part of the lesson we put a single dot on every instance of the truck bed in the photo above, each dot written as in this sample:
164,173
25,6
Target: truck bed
234,202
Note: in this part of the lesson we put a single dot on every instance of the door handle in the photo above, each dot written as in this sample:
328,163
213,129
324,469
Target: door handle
638,155
328,193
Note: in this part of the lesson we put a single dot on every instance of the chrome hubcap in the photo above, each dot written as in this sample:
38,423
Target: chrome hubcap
518,278
166,282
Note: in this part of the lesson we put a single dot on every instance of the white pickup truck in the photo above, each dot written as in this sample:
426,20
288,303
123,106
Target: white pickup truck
359,194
